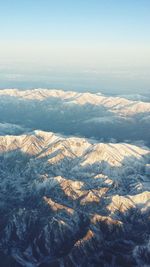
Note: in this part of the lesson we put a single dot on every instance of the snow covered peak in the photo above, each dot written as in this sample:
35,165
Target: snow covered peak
40,142
119,105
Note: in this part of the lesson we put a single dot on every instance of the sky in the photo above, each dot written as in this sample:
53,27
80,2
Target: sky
85,45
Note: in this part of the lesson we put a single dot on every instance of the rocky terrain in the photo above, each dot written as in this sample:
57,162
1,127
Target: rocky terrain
69,201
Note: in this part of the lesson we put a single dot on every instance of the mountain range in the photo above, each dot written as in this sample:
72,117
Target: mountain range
81,114
74,179
69,201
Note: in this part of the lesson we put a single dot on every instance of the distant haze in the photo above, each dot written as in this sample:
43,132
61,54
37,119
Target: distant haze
76,45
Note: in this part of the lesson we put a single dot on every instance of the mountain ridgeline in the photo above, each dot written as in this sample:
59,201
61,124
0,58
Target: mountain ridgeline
81,114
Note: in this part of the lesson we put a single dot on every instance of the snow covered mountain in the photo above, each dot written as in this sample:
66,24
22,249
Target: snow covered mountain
81,114
69,201
119,105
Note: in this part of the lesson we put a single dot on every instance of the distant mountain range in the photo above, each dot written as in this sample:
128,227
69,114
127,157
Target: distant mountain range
81,114
119,105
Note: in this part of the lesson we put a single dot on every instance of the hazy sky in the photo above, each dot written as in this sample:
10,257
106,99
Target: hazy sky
82,44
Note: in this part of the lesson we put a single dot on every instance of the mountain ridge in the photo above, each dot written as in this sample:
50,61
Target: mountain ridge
114,104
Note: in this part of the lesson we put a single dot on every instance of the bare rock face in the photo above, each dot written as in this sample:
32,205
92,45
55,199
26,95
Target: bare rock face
73,202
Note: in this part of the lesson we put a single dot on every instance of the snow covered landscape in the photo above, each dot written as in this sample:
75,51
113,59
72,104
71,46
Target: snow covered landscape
74,133
74,179
71,113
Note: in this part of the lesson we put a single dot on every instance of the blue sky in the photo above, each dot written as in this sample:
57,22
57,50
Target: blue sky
75,20
104,44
